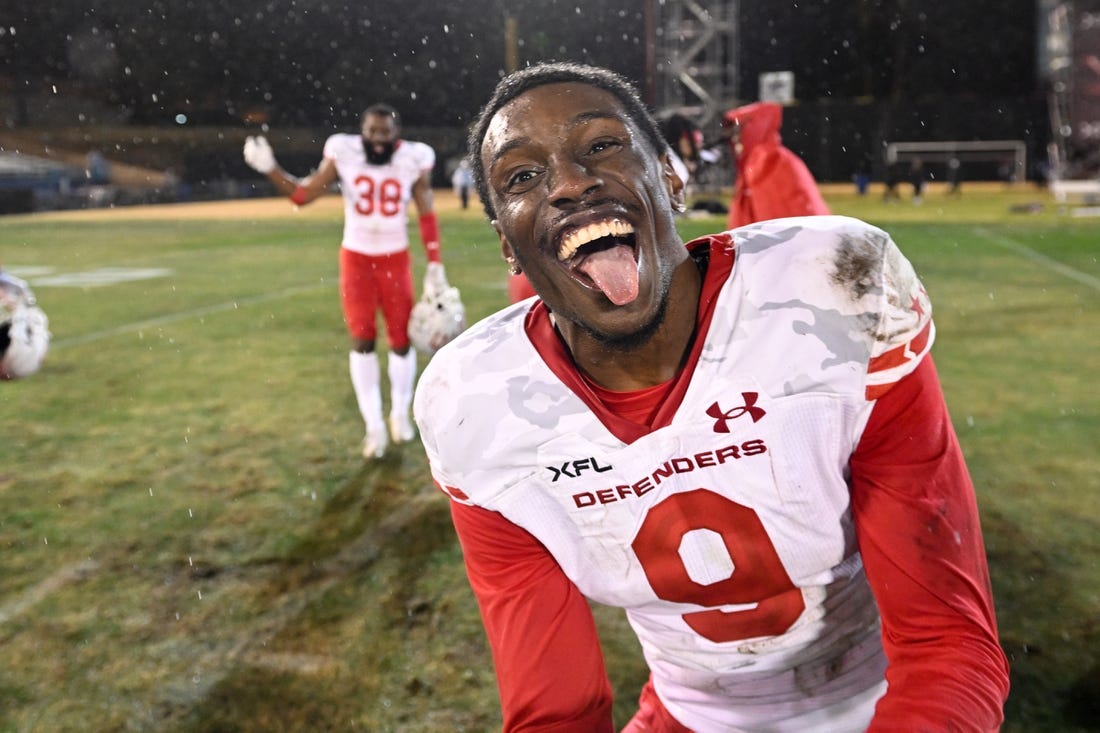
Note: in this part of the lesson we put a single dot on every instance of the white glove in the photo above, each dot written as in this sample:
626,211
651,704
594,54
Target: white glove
258,154
435,279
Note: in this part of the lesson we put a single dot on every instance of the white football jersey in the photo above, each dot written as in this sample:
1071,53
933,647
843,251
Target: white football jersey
376,197
725,533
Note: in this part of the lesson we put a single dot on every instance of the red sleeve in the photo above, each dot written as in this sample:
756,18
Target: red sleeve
917,524
300,196
549,667
429,236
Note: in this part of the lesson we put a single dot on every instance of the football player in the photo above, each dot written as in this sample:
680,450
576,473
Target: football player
378,173
741,441
24,329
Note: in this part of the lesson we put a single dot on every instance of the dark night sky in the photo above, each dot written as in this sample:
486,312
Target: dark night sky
894,48
318,62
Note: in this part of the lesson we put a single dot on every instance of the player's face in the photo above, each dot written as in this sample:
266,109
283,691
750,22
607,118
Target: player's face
584,203
379,137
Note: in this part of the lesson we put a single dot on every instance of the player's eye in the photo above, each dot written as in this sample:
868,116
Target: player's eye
521,178
603,145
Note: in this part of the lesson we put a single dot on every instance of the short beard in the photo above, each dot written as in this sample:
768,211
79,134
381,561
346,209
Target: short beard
379,158
637,339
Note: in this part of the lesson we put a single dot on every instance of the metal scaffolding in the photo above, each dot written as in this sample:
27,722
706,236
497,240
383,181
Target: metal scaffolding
1056,67
694,57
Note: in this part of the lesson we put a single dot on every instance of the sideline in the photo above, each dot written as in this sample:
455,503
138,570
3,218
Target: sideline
184,315
1049,262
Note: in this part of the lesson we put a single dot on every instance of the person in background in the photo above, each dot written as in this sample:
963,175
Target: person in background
97,169
685,141
890,192
378,173
917,178
954,176
741,441
462,180
862,175
771,180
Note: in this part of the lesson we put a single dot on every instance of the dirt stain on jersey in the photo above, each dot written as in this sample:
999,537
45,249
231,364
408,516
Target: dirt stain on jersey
857,265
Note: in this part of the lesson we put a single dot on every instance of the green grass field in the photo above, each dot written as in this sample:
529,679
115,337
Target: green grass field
189,540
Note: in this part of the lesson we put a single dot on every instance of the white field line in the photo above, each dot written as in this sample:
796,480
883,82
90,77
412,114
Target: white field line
182,316
32,596
1052,264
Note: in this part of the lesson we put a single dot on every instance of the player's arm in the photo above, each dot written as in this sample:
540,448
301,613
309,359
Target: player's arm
425,208
917,524
302,191
259,155
546,652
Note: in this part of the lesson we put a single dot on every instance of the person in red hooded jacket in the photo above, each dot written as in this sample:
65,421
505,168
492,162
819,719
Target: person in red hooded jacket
772,181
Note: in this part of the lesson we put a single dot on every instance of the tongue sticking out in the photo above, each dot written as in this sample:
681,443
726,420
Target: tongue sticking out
615,273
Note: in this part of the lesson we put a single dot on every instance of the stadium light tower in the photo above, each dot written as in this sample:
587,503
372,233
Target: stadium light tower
692,53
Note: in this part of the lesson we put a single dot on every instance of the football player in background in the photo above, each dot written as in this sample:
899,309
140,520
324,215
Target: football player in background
24,329
741,441
378,174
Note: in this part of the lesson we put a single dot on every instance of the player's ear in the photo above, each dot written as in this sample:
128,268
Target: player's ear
676,190
506,250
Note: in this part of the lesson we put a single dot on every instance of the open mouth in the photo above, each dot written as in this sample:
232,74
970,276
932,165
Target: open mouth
601,256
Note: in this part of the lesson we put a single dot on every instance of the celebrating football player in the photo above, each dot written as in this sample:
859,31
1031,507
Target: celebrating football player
378,173
741,441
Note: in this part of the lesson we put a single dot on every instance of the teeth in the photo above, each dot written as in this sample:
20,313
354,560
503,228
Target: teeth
577,238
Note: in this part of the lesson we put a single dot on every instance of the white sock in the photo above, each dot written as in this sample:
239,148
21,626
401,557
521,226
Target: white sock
402,374
364,379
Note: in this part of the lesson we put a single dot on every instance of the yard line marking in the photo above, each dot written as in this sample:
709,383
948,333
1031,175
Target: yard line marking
184,315
1061,268
100,277
311,664
33,596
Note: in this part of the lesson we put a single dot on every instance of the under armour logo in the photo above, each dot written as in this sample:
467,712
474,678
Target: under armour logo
722,417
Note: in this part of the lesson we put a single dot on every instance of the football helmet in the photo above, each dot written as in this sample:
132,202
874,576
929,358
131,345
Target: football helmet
24,341
438,316
13,291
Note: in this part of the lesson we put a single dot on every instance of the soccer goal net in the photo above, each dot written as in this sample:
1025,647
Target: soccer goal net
1004,160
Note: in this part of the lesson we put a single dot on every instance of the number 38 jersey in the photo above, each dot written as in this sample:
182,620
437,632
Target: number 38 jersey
724,528
376,197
